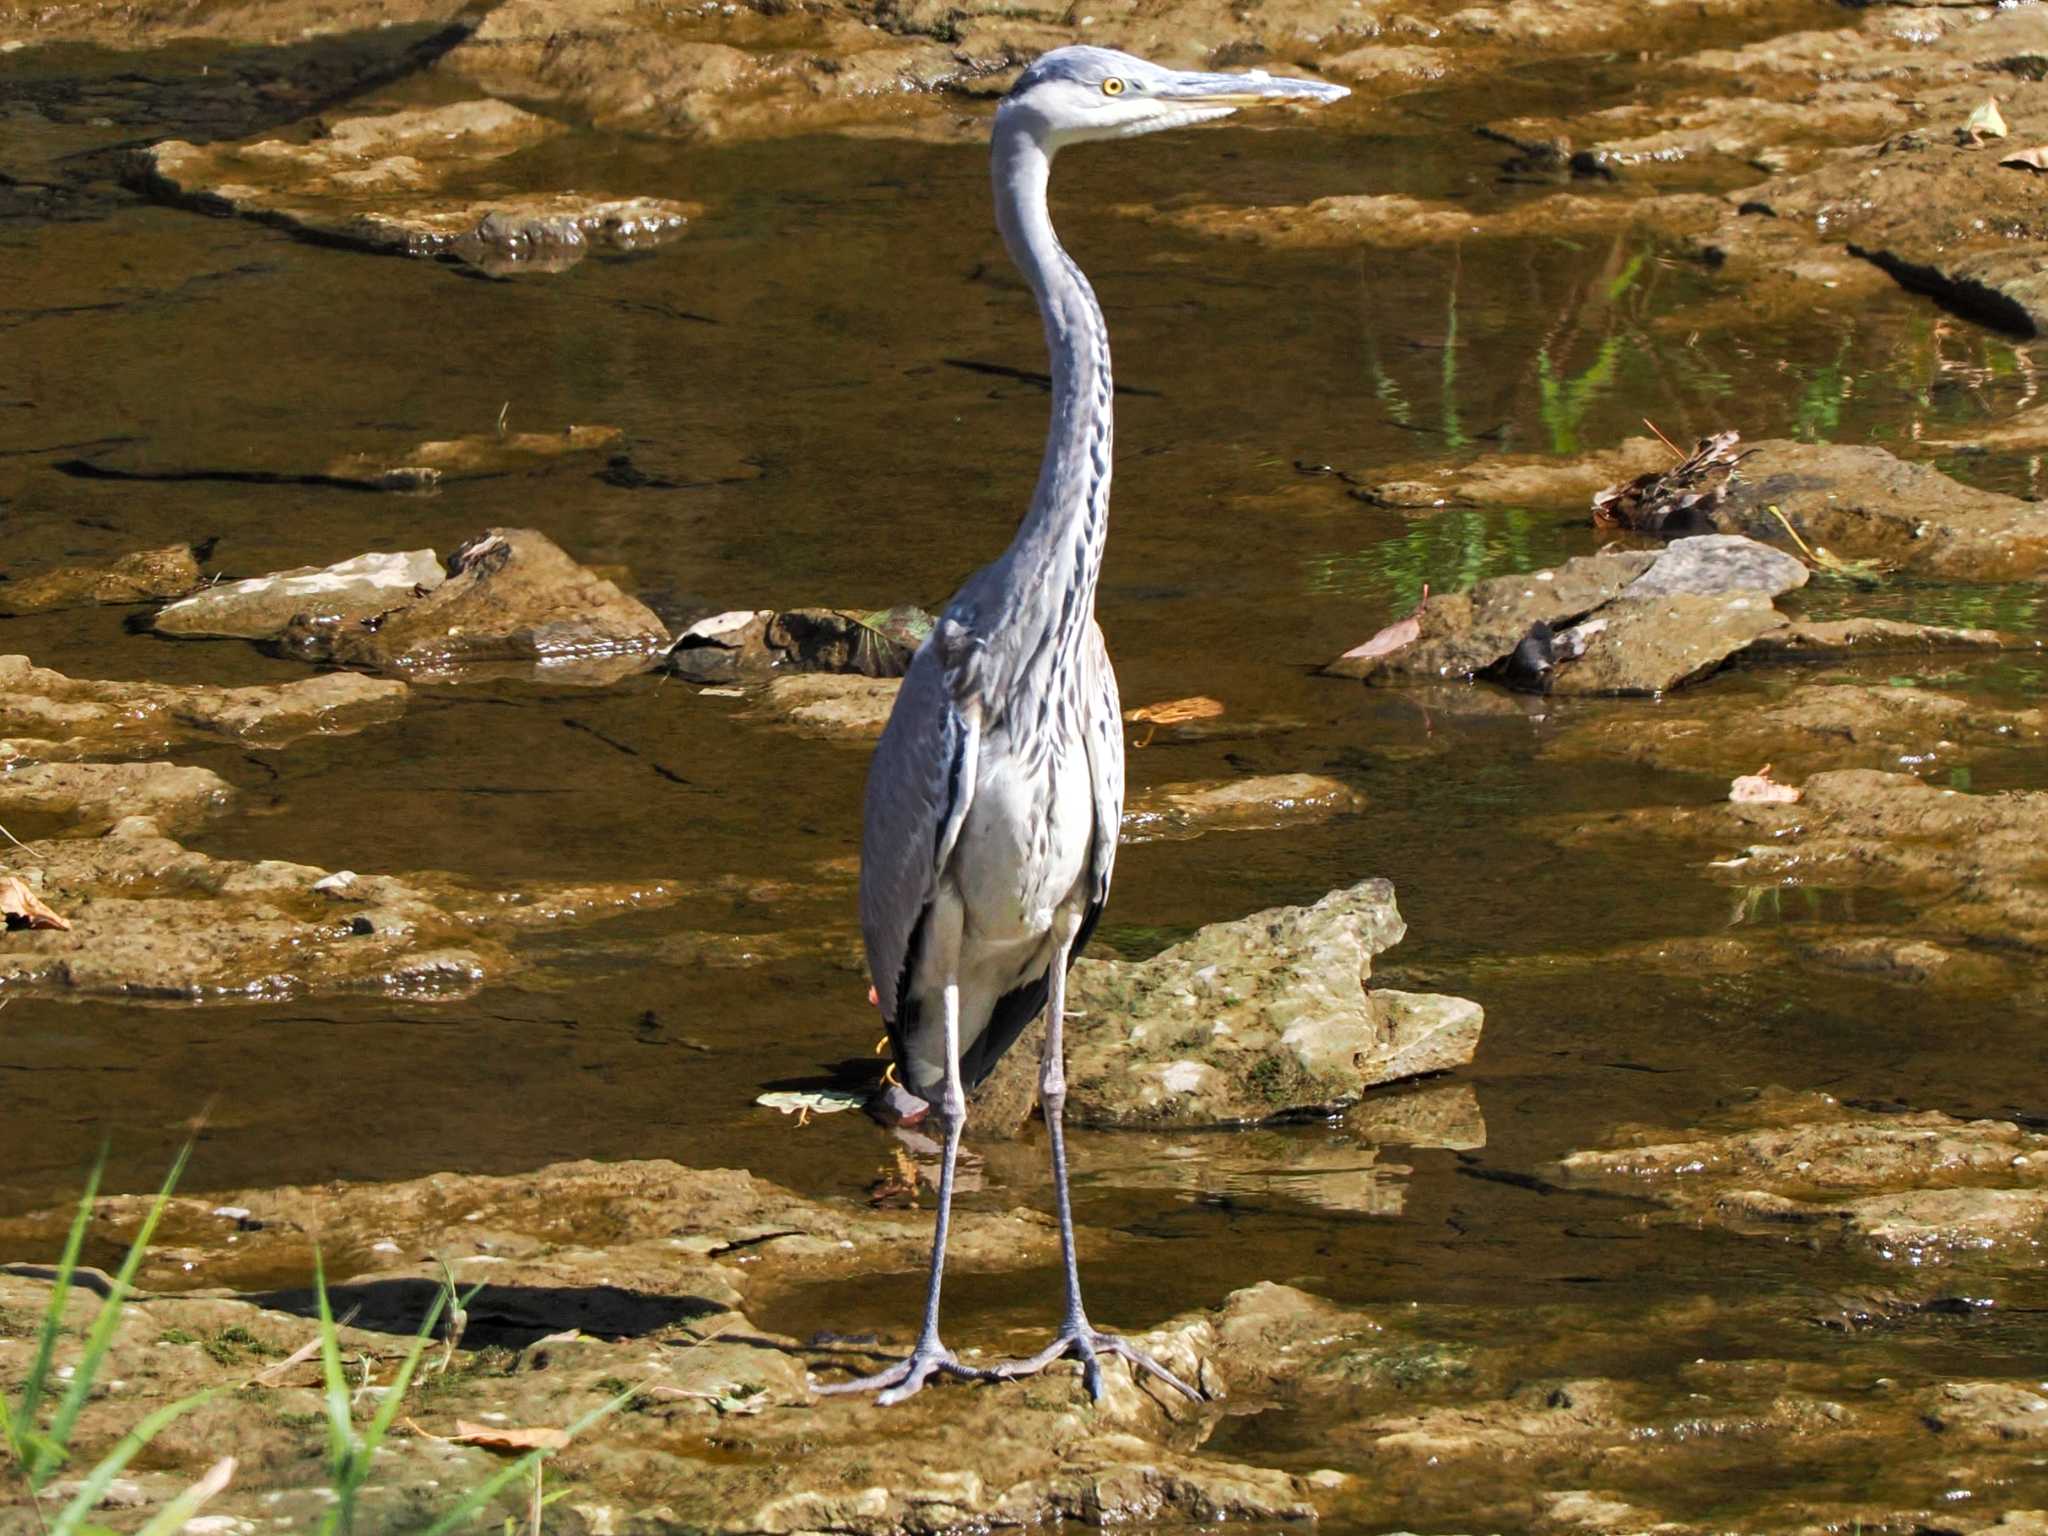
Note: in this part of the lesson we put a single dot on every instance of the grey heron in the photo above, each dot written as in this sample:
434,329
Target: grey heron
995,795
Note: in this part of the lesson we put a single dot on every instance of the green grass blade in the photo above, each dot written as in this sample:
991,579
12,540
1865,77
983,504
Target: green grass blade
53,1315
341,1435
394,1395
470,1503
71,1519
101,1336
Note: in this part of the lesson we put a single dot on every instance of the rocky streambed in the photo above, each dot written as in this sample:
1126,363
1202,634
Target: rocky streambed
470,480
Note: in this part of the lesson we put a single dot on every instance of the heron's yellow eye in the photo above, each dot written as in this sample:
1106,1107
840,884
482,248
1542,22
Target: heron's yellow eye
1112,86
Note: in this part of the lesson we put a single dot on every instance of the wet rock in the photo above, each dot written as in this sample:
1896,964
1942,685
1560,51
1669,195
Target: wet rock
1916,1186
750,644
1817,727
1863,503
45,714
90,797
1394,221
1715,564
1830,640
317,597
396,182
129,27
511,596
1247,1020
1236,805
1650,645
144,576
480,456
152,919
853,708
1526,479
1463,633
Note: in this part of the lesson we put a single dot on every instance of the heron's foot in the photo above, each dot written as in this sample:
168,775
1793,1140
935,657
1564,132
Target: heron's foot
907,1376
1079,1341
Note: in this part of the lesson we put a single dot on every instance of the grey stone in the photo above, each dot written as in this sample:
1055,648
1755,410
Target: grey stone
1711,564
263,607
1650,645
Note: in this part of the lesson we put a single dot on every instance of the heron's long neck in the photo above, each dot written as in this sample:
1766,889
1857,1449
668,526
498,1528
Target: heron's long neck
1060,541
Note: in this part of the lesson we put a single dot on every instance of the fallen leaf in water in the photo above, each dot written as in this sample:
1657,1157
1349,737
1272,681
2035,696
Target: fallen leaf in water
492,1438
1397,634
1984,123
23,908
1173,712
806,1103
1760,788
2028,159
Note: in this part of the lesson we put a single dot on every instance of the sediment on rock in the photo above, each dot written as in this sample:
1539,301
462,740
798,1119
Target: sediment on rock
153,919
147,575
47,715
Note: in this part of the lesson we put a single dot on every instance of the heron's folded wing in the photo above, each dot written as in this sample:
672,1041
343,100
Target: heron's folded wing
915,795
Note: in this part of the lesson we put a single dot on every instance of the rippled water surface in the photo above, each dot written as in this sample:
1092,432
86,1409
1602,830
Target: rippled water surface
800,350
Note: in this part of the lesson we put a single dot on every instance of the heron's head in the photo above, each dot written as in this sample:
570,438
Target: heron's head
1073,94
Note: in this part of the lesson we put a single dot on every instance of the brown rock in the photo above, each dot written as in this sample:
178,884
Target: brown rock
1254,804
512,596
90,797
1650,645
144,576
316,597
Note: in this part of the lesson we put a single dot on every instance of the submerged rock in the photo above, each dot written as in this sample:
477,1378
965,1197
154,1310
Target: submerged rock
1917,1187
853,708
1816,727
152,919
1829,640
511,595
145,576
44,714
90,797
396,183
1517,479
315,597
1395,221
1248,1020
480,456
1257,804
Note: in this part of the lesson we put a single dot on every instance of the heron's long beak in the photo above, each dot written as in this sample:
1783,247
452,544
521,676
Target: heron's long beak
1252,89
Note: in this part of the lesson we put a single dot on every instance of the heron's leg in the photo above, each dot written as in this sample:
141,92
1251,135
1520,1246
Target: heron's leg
928,1356
1077,1337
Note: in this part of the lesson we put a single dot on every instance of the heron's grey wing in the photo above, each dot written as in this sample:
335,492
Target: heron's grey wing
919,783
1102,738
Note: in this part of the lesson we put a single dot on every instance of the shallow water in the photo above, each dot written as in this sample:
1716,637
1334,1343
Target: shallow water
800,345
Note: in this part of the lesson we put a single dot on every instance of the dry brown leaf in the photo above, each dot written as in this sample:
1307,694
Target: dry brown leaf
1176,711
22,908
1397,634
1984,123
2028,159
1760,788
493,1438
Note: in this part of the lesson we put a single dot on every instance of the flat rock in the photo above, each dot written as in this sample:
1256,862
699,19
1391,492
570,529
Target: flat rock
1639,645
1915,1187
1710,565
152,919
1517,479
90,797
479,456
1834,639
145,576
1257,804
511,596
45,714
1264,1016
391,183
1816,727
318,597
853,708
1395,221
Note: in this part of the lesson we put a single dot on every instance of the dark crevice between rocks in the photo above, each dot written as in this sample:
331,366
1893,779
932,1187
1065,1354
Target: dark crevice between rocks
513,1316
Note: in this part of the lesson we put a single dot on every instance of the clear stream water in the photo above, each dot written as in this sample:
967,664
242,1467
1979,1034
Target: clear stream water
799,343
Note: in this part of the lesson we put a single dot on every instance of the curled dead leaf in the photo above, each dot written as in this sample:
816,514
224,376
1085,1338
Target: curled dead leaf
494,1437
1172,712
1397,634
1760,788
2028,159
1984,123
22,908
